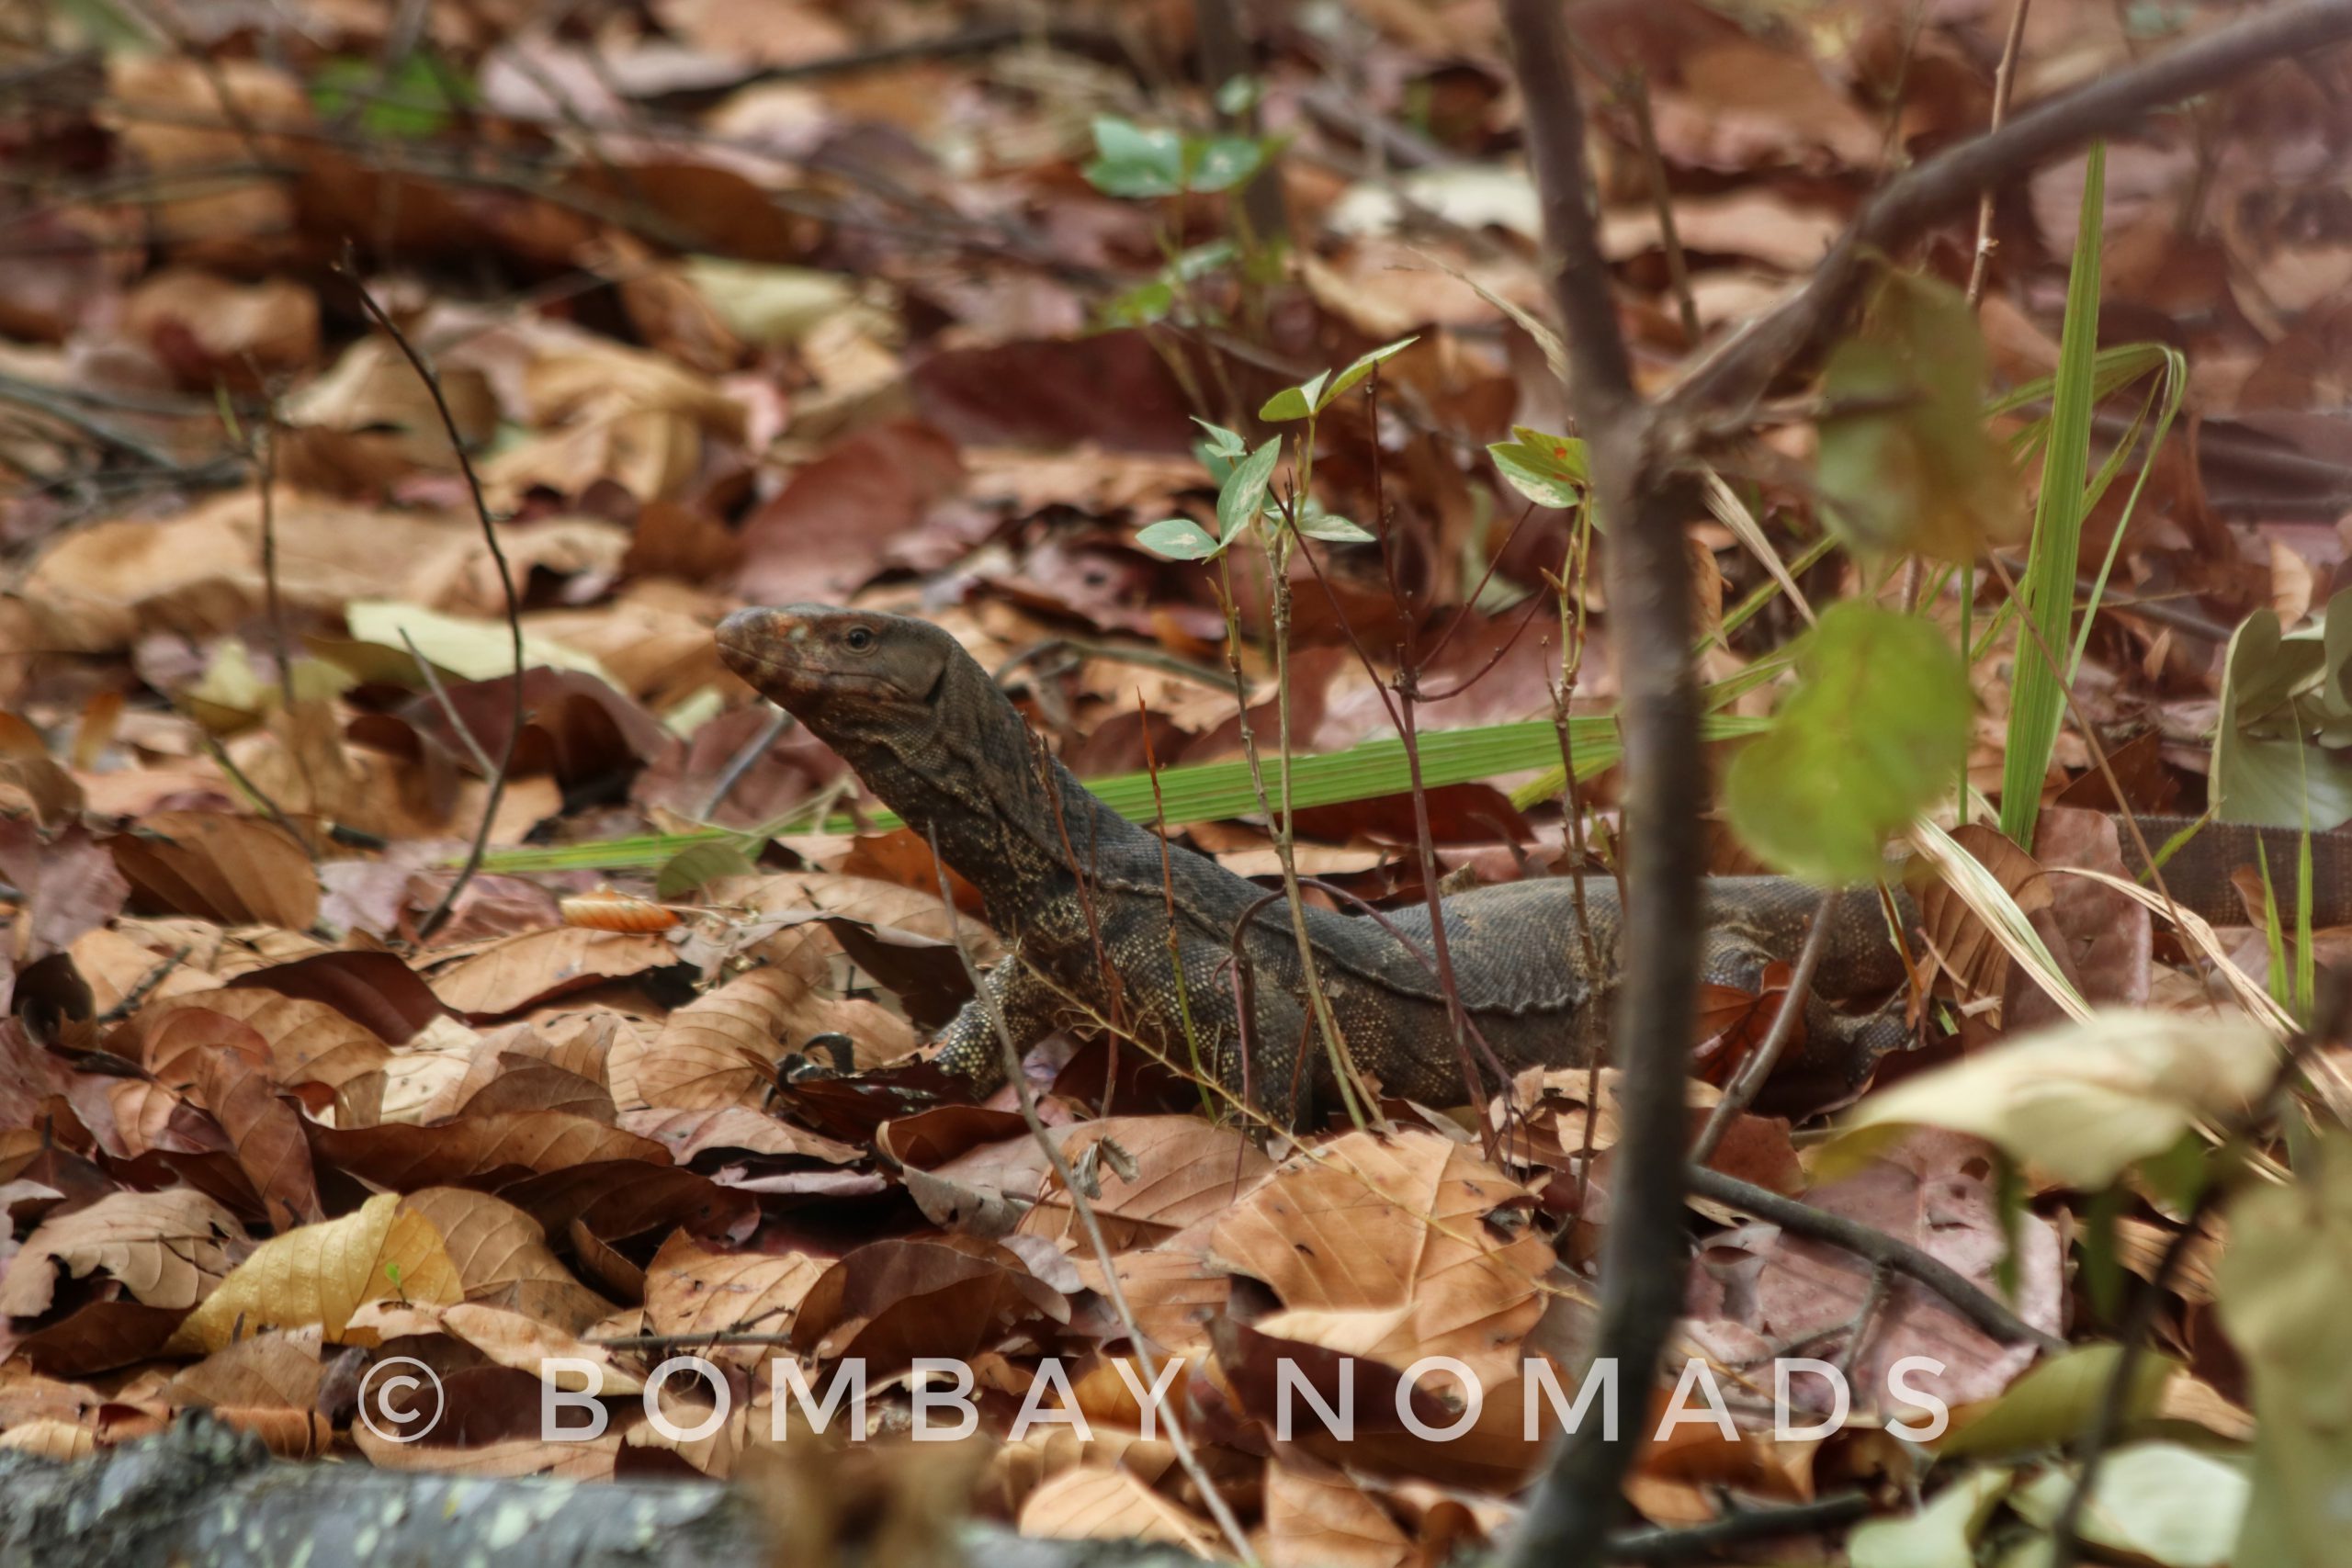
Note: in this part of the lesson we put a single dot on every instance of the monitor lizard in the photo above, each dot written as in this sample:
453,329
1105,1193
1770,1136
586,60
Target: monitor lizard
1083,898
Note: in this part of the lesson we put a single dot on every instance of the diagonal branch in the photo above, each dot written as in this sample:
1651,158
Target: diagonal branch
1739,372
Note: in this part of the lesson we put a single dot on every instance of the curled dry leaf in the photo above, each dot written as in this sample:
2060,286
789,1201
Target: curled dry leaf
166,1249
257,1372
406,1159
207,329
892,1301
526,1344
69,885
1936,1191
716,1051
375,990
235,1083
1314,1521
307,1042
688,1134
569,1458
501,1257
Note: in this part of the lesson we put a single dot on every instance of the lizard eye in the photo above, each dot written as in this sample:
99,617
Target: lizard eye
857,639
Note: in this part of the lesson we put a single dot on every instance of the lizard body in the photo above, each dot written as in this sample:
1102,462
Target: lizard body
1084,899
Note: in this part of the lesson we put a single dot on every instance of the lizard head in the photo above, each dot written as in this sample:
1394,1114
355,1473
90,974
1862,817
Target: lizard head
840,671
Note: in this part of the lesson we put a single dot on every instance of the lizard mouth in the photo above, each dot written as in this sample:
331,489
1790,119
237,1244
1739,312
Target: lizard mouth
758,646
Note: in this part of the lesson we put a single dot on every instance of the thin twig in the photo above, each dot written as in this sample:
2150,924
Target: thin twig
506,585
448,706
1876,1247
2005,77
1743,1087
1692,1543
265,474
261,797
740,764
54,403
1634,92
135,998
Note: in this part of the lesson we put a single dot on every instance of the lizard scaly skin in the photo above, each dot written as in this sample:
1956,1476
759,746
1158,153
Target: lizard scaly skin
1079,895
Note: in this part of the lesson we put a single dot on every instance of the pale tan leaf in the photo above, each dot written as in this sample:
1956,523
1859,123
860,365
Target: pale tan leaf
1110,1504
167,1250
533,967
1395,1226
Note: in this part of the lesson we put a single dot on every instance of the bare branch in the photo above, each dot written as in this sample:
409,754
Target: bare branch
1877,1247
1739,372
1650,625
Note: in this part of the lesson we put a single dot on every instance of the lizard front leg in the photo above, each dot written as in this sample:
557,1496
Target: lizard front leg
970,1046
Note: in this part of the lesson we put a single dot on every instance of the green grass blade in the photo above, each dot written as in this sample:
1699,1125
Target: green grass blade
1210,791
2038,699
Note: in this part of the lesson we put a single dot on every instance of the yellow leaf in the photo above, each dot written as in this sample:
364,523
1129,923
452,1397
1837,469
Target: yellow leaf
323,1274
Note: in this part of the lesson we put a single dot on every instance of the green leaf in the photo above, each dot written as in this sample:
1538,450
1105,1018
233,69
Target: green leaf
2155,1503
2082,1102
696,865
1211,792
1294,402
1141,306
1221,163
1179,539
1222,442
1907,462
2055,1403
1941,1534
2282,1284
1244,495
1359,369
1238,95
416,101
1550,470
1876,731
1334,529
2277,756
2038,697
1134,163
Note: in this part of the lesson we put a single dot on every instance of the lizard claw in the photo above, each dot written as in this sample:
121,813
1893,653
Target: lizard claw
798,1067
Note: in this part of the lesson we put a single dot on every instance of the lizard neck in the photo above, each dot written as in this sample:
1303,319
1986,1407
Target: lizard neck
1009,817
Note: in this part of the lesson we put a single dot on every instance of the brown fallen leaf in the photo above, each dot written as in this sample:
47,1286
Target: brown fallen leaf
167,1250
1105,1503
236,1083
1404,1235
692,1287
535,967
234,870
